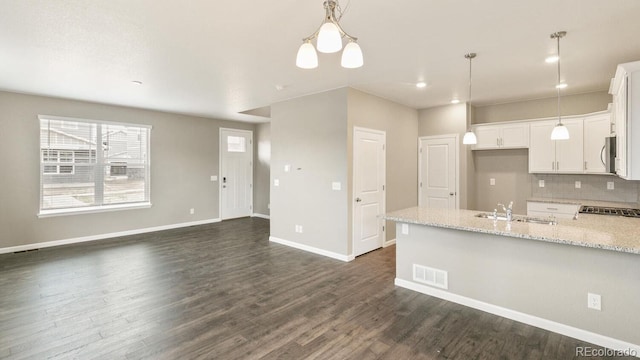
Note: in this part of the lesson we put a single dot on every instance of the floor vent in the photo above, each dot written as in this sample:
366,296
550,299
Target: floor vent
430,276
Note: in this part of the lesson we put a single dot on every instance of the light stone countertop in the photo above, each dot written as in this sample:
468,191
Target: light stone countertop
629,205
614,233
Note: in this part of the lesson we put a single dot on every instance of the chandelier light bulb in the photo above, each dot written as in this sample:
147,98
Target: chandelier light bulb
352,56
307,57
329,38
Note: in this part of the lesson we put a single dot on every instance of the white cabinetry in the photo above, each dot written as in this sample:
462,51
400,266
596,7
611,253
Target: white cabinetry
625,89
502,136
556,156
596,129
545,209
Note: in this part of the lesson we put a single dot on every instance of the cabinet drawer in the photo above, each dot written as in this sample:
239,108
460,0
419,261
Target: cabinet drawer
546,209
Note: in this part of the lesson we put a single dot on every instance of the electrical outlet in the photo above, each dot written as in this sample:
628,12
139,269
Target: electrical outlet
540,183
610,185
276,182
578,184
492,181
405,229
594,301
192,211
299,229
336,185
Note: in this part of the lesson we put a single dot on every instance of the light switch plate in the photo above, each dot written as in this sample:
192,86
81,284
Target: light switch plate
287,168
492,181
276,182
610,185
540,183
336,185
578,184
214,178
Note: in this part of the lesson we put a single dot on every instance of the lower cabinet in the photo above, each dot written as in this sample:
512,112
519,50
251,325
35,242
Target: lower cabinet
547,209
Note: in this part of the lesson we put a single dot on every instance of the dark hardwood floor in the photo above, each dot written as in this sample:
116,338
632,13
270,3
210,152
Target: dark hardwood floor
222,291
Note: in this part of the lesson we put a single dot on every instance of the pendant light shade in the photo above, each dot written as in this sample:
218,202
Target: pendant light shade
469,137
329,40
352,56
307,57
559,132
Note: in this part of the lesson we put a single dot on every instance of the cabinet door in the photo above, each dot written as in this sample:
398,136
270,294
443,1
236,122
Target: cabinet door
514,136
620,111
569,157
542,150
596,129
488,136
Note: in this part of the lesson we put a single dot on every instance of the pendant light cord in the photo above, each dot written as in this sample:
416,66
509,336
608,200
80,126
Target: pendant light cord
558,83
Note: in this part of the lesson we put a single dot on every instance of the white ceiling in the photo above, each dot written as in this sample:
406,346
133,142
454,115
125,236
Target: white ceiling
218,58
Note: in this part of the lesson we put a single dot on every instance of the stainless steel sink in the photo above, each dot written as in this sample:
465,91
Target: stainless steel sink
524,219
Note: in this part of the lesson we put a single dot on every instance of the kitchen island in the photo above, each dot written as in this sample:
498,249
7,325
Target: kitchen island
538,274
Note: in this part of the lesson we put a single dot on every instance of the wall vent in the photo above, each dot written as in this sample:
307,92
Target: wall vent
430,276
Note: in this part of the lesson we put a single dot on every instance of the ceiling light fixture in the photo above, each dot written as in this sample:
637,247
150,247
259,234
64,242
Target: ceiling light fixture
421,85
329,40
560,132
455,101
551,59
469,137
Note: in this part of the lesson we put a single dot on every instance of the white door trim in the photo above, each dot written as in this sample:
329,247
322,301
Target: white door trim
357,129
456,138
220,130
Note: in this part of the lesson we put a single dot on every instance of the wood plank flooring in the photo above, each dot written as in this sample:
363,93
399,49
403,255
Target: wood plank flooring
222,291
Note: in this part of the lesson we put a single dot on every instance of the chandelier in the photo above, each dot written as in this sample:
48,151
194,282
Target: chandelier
329,40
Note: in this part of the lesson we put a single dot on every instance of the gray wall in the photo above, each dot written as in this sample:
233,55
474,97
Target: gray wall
546,280
510,170
401,126
261,174
310,134
451,119
184,154
541,108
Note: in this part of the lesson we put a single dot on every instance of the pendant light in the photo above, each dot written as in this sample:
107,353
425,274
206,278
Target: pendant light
469,137
560,132
329,40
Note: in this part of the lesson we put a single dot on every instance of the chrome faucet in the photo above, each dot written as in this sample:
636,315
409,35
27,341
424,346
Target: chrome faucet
508,210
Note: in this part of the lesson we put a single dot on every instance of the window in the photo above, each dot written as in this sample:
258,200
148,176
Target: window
236,144
92,165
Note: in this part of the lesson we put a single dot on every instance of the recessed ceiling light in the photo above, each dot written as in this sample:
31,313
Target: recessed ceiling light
455,101
137,82
561,86
280,87
551,59
421,84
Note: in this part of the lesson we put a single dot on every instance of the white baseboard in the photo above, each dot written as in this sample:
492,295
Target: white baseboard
263,216
389,243
103,236
545,324
311,249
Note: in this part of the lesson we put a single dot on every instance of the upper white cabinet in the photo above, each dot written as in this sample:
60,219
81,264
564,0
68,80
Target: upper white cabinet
596,129
556,156
502,136
625,88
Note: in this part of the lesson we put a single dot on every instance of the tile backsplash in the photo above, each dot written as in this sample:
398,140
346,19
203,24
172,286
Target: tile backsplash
593,187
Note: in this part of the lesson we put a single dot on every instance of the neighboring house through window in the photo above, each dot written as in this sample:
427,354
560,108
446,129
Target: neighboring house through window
89,165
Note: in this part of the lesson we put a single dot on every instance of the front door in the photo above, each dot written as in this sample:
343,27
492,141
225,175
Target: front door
437,174
368,189
236,173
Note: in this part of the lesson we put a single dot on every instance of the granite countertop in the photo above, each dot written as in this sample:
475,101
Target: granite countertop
629,205
614,233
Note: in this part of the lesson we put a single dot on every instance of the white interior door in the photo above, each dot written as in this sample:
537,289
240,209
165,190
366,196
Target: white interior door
236,173
368,190
437,175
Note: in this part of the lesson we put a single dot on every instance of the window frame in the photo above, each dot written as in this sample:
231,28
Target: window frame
98,162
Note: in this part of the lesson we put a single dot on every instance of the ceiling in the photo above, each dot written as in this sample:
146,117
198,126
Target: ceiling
219,59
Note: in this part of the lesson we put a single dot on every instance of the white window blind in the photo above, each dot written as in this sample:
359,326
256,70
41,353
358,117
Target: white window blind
89,165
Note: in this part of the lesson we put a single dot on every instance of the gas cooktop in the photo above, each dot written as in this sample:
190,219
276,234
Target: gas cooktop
601,210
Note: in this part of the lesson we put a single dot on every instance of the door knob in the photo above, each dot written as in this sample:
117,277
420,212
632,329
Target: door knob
451,194
358,199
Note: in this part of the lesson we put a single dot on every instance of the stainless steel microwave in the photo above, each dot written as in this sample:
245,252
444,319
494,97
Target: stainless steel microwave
608,154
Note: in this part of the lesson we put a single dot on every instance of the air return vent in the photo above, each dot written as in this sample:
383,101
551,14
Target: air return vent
430,276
